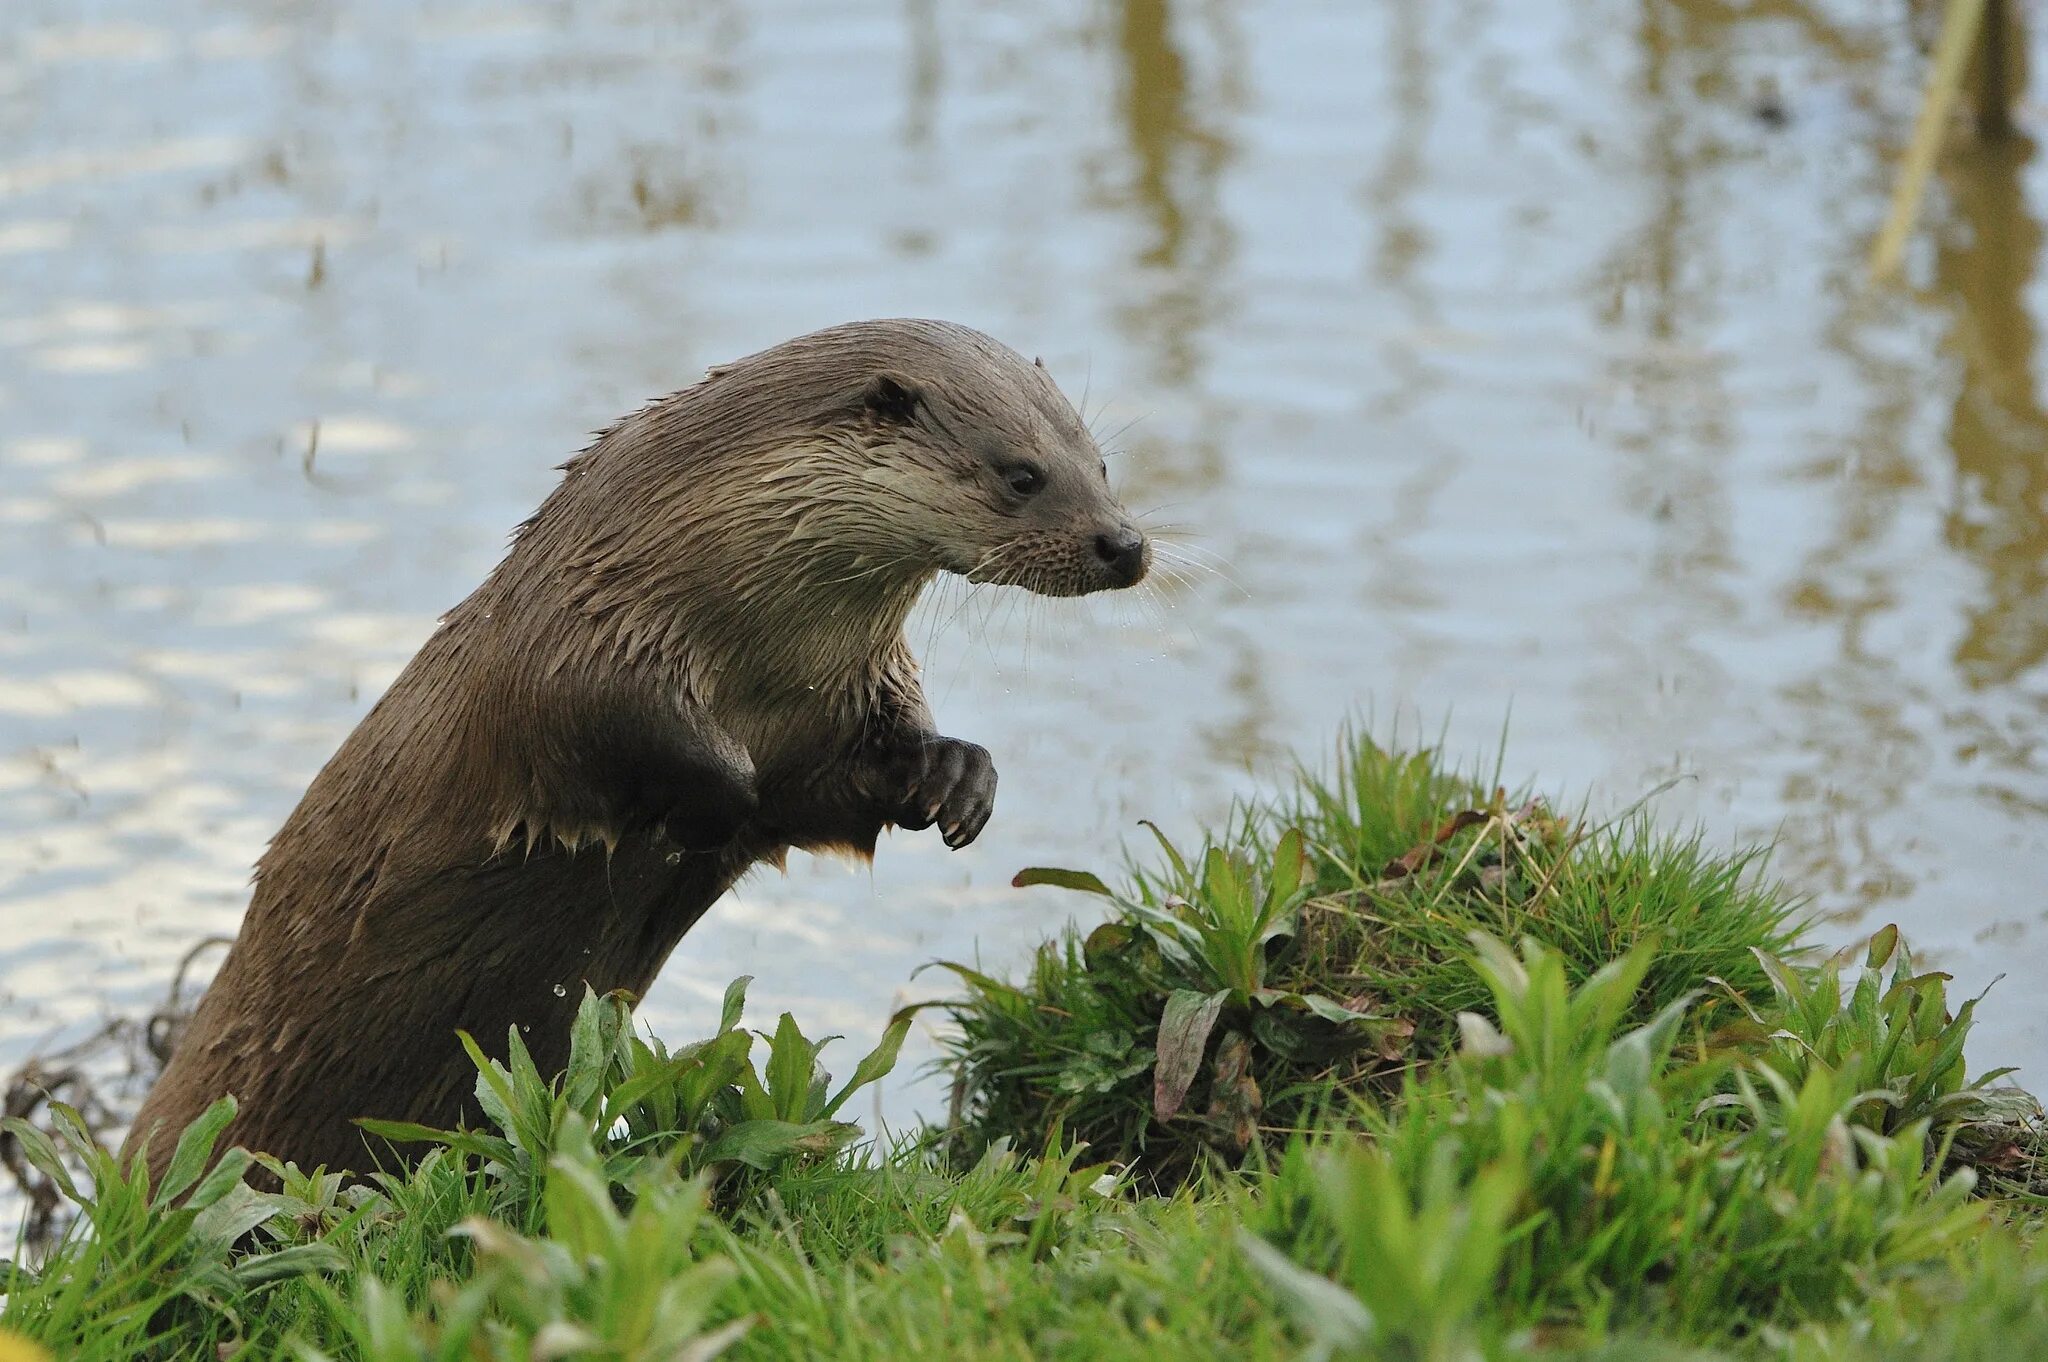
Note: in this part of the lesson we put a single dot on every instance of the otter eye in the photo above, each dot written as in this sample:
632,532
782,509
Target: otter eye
1024,479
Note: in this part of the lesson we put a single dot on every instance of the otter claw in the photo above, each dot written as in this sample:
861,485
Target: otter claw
955,788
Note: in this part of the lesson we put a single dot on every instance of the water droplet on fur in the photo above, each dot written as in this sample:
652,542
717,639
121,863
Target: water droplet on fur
561,990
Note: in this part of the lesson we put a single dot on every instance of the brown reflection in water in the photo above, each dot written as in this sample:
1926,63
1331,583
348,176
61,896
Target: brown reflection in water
1855,756
1403,242
1155,110
1243,738
1850,836
927,73
1176,162
1998,432
1866,759
1861,755
1659,292
1998,441
1660,285
1850,45
1397,575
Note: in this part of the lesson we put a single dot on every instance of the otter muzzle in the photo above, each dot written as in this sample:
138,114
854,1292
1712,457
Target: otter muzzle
1124,554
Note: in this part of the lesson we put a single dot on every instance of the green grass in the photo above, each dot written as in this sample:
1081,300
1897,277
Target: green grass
1394,1067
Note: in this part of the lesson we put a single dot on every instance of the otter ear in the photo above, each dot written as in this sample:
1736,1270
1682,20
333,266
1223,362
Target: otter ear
891,398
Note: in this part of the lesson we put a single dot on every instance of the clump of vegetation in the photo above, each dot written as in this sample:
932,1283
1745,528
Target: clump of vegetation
600,1282
1645,1130
1557,1170
1320,950
704,1108
145,1265
1893,1043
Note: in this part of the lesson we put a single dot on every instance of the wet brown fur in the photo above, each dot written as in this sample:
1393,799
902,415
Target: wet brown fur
691,659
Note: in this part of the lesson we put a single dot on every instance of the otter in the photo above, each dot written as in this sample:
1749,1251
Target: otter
690,660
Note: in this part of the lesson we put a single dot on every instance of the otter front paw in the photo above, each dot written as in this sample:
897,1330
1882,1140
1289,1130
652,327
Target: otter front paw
952,784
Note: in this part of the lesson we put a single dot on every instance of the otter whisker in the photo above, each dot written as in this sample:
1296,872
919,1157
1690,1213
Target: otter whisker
1194,559
1121,431
1175,556
1171,621
982,571
1173,574
999,566
1158,605
939,624
1019,602
1194,548
973,588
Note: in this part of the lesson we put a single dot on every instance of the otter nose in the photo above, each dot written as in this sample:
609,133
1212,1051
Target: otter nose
1122,551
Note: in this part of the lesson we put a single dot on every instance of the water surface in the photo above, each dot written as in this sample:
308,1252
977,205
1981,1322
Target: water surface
1504,355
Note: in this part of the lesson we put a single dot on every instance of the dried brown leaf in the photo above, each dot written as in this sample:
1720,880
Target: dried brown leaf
1413,859
1234,1098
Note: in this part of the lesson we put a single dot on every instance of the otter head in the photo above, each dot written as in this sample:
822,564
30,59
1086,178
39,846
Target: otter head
978,465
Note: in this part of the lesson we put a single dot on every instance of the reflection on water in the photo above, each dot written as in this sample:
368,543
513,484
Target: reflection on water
1172,177
1501,354
1998,435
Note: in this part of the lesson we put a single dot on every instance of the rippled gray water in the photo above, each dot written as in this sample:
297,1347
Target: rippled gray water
1502,354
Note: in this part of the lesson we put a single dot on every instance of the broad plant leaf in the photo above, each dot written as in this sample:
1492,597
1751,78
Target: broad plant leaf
42,1155
758,1144
735,1002
1087,882
1183,1037
194,1149
878,1061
